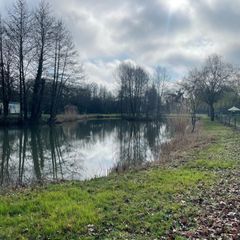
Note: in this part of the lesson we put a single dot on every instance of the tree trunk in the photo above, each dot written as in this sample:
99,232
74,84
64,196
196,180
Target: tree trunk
212,114
38,90
39,106
4,97
53,103
21,81
20,94
25,107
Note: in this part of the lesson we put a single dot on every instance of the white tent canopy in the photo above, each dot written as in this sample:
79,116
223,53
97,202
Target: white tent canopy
234,109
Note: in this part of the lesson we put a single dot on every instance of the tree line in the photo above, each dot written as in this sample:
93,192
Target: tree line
140,93
40,69
36,50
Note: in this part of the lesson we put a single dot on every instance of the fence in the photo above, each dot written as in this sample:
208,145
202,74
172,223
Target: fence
232,120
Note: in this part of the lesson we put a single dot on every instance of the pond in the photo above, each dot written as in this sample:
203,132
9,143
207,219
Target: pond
77,151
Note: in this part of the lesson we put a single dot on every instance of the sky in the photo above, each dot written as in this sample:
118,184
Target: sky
176,34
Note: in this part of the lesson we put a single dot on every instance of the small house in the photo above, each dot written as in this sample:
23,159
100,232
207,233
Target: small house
13,108
70,110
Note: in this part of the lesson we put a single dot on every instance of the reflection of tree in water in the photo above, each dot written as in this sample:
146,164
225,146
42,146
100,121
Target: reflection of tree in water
12,172
35,147
156,134
132,146
139,143
37,152
47,145
23,138
92,131
5,176
56,140
56,153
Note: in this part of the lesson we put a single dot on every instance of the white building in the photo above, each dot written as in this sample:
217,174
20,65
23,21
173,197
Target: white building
13,107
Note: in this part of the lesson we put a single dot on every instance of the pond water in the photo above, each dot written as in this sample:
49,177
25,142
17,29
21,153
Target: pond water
77,151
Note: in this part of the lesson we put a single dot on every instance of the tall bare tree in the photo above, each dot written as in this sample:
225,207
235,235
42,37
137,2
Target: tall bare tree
213,78
133,85
64,66
19,27
2,69
6,60
43,42
190,87
160,79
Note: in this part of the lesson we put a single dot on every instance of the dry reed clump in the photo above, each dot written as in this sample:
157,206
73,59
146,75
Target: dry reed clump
179,125
70,114
120,168
183,141
125,167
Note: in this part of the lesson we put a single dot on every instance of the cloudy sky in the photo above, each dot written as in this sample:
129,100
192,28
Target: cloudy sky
176,34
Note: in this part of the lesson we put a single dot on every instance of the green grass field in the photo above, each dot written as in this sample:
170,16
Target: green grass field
144,204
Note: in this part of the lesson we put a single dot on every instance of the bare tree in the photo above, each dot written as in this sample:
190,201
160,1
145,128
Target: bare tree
207,84
151,102
124,75
6,60
2,69
213,78
64,66
19,34
140,86
189,86
35,49
133,85
160,79
43,42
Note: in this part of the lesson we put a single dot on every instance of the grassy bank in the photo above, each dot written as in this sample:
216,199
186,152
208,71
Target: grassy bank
62,118
15,121
145,204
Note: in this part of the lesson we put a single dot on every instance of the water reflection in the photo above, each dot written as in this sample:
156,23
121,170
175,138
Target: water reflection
77,151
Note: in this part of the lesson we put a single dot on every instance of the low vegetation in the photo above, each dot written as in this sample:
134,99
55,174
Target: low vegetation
61,118
145,204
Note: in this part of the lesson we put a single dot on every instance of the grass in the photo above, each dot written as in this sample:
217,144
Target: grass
222,154
131,204
143,204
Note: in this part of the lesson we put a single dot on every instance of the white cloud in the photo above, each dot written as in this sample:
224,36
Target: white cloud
177,34
102,73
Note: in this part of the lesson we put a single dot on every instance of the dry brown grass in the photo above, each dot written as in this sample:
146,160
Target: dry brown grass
179,125
69,117
176,150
